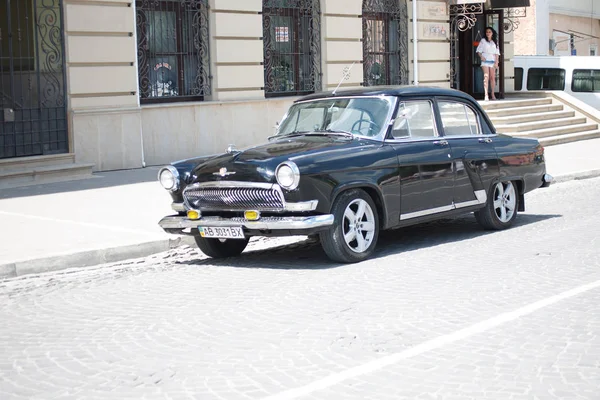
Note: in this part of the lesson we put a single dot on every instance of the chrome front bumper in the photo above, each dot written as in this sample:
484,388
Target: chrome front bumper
265,223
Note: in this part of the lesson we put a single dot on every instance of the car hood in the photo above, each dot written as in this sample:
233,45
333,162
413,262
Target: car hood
258,164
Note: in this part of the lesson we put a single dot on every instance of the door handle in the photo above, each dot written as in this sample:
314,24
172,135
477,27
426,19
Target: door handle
441,143
485,140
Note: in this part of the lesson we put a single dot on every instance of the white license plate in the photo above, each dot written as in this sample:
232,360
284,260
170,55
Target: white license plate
232,232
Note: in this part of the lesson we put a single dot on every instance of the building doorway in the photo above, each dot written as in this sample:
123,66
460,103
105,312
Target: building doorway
32,79
467,72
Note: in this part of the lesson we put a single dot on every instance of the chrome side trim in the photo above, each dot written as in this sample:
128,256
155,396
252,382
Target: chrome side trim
450,138
177,207
265,223
479,194
427,212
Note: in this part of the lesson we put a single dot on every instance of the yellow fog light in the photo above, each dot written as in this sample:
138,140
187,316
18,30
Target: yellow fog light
251,215
193,214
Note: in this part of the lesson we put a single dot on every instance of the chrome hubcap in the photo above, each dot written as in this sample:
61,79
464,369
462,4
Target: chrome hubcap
358,226
505,201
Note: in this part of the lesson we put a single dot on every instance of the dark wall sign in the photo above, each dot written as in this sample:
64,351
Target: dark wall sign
509,3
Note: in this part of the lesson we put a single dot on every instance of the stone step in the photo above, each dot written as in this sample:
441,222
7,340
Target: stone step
502,104
518,119
537,125
28,175
560,130
568,138
525,110
36,161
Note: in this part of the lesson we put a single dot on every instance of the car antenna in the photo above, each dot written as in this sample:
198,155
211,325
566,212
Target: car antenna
345,76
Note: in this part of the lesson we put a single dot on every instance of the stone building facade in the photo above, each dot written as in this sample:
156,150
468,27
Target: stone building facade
148,82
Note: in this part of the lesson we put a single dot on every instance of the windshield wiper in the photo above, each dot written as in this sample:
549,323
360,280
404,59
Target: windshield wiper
316,132
339,132
291,134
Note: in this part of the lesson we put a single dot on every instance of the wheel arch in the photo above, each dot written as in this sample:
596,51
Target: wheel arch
372,191
520,184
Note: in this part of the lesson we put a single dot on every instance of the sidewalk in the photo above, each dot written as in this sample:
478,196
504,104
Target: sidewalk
114,216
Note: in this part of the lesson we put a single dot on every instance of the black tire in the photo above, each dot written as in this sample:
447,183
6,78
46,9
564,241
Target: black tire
491,216
333,241
221,248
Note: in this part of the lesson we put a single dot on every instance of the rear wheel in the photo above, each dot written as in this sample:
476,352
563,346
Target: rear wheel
354,234
221,248
500,211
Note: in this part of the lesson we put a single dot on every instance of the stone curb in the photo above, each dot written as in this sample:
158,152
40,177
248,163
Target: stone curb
577,176
91,257
120,253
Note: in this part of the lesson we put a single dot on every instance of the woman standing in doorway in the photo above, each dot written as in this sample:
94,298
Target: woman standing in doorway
489,52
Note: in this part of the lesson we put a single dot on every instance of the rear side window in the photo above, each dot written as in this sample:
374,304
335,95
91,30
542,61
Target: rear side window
458,119
586,80
546,79
518,78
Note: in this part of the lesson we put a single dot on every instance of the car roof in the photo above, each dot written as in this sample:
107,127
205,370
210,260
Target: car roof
402,91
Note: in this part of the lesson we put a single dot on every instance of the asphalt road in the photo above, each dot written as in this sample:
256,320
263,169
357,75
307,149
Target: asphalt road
443,311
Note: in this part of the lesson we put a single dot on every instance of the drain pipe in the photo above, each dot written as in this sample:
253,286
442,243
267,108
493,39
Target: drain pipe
415,44
137,78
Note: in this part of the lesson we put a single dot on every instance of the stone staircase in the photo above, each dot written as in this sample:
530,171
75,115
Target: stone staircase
549,119
24,171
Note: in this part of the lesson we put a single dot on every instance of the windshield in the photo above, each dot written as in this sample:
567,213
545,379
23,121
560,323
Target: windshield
363,116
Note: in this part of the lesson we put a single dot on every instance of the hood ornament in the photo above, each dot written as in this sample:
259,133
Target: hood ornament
231,149
223,172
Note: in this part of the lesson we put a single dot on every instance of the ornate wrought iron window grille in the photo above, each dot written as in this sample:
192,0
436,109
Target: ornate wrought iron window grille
385,42
173,50
511,18
32,79
292,47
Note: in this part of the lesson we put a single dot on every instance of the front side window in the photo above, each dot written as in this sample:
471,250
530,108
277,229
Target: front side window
385,42
458,119
292,47
546,79
586,80
362,116
414,120
172,40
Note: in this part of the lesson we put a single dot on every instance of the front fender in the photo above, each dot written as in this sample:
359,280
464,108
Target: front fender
373,190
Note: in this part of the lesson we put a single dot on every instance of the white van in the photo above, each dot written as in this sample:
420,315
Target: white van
577,75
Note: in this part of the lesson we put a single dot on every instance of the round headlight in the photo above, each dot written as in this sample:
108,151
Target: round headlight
169,178
288,175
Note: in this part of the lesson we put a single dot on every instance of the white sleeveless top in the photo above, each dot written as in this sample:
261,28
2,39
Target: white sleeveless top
488,49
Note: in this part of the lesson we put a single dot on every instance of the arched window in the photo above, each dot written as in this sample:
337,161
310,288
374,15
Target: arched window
385,42
292,47
173,57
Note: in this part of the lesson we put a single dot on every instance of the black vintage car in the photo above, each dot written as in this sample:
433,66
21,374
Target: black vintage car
346,165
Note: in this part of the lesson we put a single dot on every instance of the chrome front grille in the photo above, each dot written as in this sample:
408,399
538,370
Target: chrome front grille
231,198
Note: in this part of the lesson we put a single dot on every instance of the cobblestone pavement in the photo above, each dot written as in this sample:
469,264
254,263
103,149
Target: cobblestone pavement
281,318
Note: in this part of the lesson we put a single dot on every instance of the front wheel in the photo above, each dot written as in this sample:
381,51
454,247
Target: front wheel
221,248
500,210
354,234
